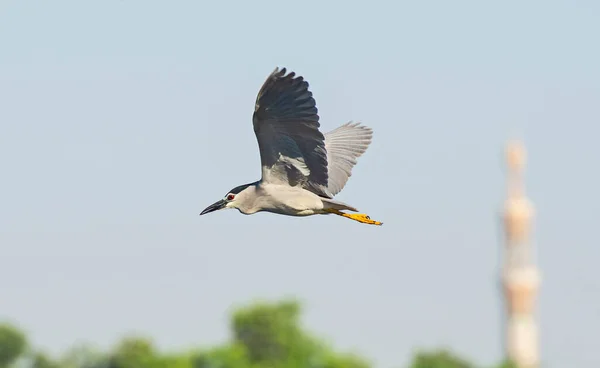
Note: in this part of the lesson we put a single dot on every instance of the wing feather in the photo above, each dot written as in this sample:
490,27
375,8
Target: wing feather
293,151
344,145
286,124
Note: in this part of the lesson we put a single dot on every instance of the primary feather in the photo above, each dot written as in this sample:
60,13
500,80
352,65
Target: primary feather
292,149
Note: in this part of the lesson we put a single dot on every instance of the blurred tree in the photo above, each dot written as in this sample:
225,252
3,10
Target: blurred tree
264,335
41,360
13,344
137,352
345,361
270,332
228,356
83,356
272,336
439,359
176,361
134,352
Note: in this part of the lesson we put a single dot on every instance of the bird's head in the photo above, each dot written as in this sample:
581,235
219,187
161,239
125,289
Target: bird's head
233,199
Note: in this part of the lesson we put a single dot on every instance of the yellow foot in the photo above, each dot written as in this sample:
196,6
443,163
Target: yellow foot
360,217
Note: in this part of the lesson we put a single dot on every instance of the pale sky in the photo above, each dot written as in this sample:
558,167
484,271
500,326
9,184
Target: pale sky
121,120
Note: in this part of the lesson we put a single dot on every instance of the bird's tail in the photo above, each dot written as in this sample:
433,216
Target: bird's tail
336,205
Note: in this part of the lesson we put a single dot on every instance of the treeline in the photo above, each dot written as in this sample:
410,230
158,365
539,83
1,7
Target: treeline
264,335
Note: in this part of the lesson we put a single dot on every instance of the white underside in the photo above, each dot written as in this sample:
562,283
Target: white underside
291,201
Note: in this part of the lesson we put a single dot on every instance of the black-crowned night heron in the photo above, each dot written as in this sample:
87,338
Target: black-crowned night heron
302,168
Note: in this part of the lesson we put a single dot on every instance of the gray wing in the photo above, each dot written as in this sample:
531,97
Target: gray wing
286,124
344,145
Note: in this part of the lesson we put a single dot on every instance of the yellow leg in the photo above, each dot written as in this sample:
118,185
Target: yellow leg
360,217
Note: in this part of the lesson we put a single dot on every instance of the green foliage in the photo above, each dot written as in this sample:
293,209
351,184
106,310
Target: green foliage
228,356
13,344
83,356
133,352
271,334
439,359
264,335
41,360
344,361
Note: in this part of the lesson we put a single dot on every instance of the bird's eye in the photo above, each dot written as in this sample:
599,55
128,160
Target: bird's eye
230,197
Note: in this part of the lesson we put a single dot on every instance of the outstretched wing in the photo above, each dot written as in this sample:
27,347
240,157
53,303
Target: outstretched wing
344,145
286,124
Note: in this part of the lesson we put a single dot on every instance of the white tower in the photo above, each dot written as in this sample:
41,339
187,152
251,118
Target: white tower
520,276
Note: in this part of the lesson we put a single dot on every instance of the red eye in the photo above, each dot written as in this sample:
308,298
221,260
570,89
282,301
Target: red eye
230,197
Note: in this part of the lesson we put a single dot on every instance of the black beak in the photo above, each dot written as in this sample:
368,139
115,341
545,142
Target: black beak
214,207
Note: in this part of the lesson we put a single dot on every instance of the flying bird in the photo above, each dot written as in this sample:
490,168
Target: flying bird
302,168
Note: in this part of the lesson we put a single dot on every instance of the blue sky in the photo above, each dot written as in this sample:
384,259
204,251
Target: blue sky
121,120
